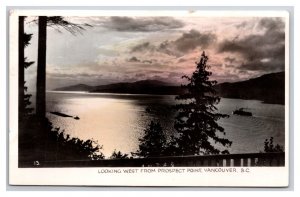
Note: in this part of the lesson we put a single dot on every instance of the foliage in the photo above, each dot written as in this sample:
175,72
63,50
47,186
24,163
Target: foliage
60,22
43,22
196,121
269,146
118,155
27,109
27,38
153,143
40,141
27,63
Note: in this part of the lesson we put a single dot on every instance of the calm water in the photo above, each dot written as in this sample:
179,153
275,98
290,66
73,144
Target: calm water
116,121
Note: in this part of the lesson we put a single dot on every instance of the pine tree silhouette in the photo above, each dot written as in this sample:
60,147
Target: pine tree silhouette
153,143
196,121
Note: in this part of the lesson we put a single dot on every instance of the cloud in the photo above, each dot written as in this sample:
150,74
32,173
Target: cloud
184,44
193,39
187,42
148,61
274,65
140,75
271,24
241,25
142,24
182,60
131,48
72,75
230,66
229,59
175,74
145,46
134,59
255,48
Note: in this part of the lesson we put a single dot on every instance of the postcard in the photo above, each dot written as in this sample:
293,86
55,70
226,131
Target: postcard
149,98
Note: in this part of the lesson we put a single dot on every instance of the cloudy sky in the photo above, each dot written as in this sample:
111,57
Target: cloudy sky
127,49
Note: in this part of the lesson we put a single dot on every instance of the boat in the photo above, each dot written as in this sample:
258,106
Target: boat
241,112
61,114
64,115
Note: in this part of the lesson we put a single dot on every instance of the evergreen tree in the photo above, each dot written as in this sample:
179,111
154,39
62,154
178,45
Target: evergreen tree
24,97
27,109
196,121
21,66
153,144
41,68
55,22
52,144
269,146
118,155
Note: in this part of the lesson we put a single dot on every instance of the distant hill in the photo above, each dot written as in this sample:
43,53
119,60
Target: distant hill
268,88
78,87
140,87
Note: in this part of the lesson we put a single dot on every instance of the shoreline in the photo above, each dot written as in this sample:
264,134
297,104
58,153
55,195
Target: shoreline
132,94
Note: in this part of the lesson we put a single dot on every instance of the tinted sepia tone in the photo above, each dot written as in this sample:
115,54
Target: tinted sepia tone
141,91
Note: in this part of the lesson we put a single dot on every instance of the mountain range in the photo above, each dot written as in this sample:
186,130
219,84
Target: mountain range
268,88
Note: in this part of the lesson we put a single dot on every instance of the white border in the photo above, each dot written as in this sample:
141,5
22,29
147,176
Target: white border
147,12
259,177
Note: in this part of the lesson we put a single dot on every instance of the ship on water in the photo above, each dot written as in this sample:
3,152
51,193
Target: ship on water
241,112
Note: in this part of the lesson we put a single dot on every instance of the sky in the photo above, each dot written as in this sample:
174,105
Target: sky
127,49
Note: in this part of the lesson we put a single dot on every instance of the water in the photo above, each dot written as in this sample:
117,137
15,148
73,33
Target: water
117,121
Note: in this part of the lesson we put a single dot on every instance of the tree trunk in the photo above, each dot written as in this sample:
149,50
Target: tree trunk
41,68
21,67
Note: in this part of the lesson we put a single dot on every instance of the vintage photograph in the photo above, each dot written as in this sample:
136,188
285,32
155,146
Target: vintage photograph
151,90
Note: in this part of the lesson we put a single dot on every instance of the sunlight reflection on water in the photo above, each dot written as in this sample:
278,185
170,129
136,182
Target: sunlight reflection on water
117,121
